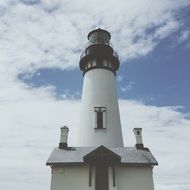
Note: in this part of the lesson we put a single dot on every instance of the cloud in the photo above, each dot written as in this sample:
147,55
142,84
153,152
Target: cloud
184,38
30,130
165,132
30,2
120,78
129,87
38,34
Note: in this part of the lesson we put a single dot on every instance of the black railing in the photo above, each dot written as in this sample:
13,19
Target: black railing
96,43
90,44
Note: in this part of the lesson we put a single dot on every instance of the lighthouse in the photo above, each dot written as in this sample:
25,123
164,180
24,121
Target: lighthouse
99,117
99,160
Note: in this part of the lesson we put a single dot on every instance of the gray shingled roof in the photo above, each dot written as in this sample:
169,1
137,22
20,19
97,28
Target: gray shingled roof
129,155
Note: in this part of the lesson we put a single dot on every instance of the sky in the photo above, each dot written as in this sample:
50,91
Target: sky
40,46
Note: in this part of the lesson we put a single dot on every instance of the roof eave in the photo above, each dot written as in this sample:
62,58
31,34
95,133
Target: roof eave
83,163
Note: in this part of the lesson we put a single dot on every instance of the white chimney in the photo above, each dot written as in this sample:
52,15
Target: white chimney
63,137
138,137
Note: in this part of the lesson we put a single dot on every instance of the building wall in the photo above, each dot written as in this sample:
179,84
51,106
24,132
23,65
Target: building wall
134,178
99,89
77,178
71,178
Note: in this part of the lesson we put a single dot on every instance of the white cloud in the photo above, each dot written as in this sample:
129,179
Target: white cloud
30,130
184,38
38,34
167,29
128,88
120,78
165,132
47,34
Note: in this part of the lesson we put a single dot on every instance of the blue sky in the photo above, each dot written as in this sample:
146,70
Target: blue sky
40,46
160,78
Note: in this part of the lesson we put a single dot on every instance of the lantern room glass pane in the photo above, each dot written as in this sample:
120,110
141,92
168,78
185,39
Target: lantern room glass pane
99,37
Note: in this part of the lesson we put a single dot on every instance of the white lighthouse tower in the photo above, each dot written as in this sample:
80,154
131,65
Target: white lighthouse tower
99,117
99,161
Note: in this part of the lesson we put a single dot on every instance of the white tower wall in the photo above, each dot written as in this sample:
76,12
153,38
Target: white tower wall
99,90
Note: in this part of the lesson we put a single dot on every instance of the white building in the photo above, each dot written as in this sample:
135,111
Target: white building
100,161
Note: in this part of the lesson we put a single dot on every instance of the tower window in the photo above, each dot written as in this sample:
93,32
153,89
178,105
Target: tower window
93,63
104,63
99,117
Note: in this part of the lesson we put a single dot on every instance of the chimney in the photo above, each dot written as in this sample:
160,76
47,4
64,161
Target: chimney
63,137
138,136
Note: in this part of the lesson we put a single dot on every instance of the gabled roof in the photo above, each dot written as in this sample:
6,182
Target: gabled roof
77,155
102,155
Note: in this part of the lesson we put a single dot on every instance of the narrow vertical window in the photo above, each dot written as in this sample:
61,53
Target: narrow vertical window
99,117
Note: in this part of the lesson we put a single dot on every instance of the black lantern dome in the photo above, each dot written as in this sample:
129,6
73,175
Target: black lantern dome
99,52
